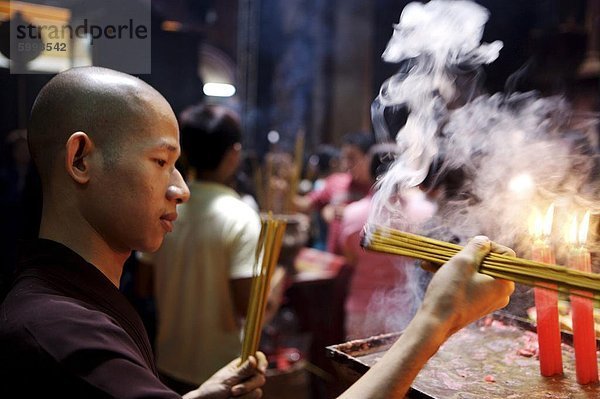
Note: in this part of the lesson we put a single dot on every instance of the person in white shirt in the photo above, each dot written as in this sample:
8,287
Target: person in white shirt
203,270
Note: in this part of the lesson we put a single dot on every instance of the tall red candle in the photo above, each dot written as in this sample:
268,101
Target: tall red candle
546,302
548,328
582,311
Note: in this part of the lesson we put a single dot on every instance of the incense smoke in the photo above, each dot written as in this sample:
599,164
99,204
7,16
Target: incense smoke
487,159
510,150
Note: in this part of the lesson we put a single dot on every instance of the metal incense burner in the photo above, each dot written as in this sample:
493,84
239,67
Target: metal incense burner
493,358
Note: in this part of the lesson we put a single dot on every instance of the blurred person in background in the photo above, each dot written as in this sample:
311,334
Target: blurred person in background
323,163
380,282
244,181
203,270
342,188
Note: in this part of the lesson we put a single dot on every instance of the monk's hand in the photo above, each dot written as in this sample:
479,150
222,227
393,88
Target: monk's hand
235,380
458,294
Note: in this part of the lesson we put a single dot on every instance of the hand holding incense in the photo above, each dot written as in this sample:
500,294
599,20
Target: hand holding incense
456,297
533,273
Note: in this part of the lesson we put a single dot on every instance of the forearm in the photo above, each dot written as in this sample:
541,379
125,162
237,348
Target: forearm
393,374
456,296
195,394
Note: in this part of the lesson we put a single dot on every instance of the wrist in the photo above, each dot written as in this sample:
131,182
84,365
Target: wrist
430,324
393,374
441,315
195,394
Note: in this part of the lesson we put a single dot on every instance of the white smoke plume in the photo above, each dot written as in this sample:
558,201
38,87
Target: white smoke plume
512,151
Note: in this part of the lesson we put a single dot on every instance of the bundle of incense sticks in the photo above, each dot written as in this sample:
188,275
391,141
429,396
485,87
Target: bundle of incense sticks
267,253
562,279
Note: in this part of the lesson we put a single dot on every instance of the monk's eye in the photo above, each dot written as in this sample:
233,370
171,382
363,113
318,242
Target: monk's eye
161,162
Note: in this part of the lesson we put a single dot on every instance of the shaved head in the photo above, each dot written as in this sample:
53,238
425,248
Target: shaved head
106,105
105,144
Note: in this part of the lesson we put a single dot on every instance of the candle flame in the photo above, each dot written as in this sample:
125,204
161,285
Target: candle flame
572,232
535,223
583,228
578,231
541,226
548,220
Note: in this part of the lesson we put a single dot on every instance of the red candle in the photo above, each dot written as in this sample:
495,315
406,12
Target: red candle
582,310
546,302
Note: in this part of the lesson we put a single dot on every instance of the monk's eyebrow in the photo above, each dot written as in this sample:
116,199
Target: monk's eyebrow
168,147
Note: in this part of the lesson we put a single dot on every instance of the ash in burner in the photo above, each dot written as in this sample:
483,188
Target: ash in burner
492,347
490,158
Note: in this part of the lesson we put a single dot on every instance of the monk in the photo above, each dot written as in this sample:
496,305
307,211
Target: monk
105,145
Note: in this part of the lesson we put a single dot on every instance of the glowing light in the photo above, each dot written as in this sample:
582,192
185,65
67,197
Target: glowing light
548,220
171,26
572,233
535,223
273,137
521,184
218,89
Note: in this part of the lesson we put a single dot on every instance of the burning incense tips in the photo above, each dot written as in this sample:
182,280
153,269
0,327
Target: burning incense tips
267,253
533,273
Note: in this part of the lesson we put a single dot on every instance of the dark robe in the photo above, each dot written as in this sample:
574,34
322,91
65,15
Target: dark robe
67,332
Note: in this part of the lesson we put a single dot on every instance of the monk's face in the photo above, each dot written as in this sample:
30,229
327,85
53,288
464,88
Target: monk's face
133,200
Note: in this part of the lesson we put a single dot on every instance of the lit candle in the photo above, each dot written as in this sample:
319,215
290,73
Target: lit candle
582,311
546,301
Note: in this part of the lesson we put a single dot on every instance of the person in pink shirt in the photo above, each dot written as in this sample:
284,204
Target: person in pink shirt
340,189
380,284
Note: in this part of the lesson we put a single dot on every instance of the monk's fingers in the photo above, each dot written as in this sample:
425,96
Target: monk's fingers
470,257
262,362
501,249
504,287
244,370
494,291
249,387
429,266
257,393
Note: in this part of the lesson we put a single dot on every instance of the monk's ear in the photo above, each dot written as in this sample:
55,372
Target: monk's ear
77,161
